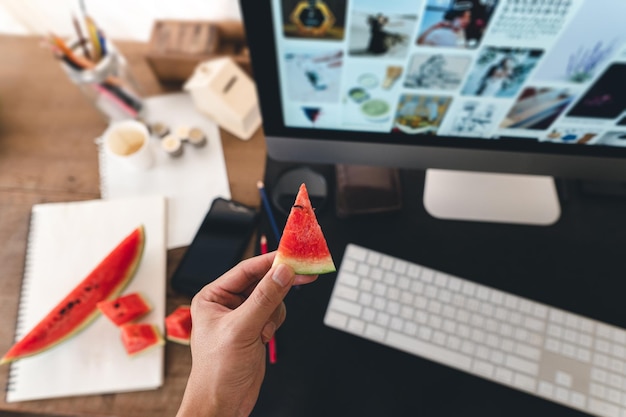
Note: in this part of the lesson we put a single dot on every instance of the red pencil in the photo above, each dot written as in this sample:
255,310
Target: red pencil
272,343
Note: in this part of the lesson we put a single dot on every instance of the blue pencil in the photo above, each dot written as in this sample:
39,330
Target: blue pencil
268,209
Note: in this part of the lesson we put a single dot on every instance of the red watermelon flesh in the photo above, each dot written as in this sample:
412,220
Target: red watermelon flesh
79,307
302,245
124,309
178,325
139,337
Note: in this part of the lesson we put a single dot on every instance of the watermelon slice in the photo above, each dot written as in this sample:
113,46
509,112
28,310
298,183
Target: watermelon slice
124,309
78,308
178,325
139,337
302,244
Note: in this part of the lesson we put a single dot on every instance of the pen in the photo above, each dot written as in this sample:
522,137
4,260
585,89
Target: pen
268,209
272,342
263,244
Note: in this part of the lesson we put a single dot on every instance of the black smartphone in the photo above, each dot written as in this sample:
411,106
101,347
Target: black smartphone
217,246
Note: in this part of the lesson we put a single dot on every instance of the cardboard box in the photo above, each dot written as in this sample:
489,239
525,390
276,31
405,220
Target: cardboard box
178,46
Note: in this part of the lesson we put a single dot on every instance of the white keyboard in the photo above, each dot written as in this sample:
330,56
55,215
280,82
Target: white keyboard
514,341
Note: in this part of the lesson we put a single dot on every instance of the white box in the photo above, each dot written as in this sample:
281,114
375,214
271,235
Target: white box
225,93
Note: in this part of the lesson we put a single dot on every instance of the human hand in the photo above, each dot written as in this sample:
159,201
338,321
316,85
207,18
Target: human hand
233,318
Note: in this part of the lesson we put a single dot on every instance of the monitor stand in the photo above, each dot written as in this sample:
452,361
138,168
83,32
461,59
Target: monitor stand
488,197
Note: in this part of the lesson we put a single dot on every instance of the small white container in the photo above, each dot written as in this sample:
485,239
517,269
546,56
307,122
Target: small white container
129,141
173,145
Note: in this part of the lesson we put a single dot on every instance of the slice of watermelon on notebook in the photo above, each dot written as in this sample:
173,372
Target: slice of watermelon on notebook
303,245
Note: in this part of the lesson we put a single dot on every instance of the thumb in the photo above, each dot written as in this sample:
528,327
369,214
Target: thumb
265,298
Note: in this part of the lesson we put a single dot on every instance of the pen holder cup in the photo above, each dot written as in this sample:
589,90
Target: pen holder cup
109,85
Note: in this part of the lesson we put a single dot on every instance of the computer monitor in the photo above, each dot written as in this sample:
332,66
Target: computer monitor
491,97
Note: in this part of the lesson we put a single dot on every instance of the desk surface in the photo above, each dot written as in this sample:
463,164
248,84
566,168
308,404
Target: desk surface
47,154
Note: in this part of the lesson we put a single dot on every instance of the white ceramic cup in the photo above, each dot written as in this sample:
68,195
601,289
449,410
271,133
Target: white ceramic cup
129,142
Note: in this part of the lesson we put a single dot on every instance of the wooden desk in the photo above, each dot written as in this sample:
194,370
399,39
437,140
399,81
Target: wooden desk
47,154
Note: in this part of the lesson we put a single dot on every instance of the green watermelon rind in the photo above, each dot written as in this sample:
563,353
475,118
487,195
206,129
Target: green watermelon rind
81,325
307,267
179,340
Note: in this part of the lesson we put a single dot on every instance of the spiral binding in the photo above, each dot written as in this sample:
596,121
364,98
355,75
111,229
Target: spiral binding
24,291
102,161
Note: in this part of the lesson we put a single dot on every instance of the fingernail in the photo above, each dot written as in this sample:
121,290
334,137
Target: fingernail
268,331
283,275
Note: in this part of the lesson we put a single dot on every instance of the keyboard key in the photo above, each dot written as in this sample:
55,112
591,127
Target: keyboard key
350,279
346,307
375,332
368,314
335,319
349,265
379,289
366,284
356,252
414,271
348,293
524,382
563,378
410,328
396,324
521,365
390,278
382,319
427,275
365,299
376,274
429,351
363,270
356,325
373,258
483,368
603,408
400,267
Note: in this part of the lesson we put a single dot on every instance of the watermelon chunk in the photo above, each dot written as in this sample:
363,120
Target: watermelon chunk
178,325
139,337
302,245
124,309
79,307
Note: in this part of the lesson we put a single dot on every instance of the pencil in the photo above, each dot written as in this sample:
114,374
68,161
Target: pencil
272,342
67,51
268,209
92,32
81,38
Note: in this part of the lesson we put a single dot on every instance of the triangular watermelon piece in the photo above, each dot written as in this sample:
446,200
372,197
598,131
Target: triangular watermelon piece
124,309
302,245
139,337
178,325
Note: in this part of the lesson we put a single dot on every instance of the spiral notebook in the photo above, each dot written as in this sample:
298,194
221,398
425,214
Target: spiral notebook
66,241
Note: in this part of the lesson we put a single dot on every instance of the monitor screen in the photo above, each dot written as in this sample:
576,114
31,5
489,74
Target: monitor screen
517,86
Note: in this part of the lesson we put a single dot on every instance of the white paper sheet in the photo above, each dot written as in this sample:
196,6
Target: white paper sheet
190,182
66,241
